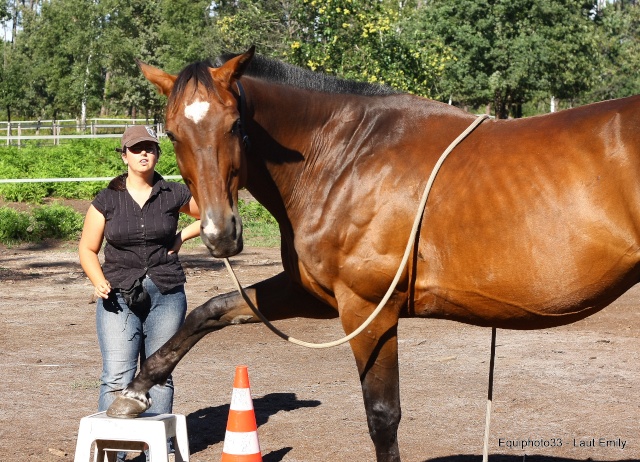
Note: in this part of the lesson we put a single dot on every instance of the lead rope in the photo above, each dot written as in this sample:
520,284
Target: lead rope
487,419
394,283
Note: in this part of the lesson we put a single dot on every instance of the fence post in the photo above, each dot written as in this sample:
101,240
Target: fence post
19,133
8,133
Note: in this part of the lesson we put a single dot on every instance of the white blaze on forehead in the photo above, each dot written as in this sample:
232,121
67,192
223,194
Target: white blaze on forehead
196,110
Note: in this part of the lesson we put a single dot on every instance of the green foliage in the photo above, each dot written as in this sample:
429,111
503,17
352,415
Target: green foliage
618,46
14,226
79,55
367,41
239,24
49,221
260,229
57,222
77,159
507,50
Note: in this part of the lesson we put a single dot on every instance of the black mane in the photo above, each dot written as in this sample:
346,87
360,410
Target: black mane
277,72
286,74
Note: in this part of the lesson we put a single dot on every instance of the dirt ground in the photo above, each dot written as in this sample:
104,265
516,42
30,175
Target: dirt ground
571,393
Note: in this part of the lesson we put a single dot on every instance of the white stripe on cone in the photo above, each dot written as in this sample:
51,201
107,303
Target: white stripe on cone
241,399
241,443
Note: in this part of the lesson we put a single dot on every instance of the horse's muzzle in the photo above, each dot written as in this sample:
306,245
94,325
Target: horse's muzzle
223,238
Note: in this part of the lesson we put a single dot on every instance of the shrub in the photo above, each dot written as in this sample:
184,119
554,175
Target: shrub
49,221
14,226
57,221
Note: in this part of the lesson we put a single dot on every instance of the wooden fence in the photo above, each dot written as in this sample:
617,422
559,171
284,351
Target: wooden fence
54,131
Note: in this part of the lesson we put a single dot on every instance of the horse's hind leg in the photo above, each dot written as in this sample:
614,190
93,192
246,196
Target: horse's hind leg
376,354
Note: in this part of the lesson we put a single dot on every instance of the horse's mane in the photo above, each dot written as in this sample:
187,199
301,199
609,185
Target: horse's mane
277,72
287,74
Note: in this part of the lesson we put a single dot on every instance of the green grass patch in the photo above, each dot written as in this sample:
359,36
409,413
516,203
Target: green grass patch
89,159
48,221
259,228
80,159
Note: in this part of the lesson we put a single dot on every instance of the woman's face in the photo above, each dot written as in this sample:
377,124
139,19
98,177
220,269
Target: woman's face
141,157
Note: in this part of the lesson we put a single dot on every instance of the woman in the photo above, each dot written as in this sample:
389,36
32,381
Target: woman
140,287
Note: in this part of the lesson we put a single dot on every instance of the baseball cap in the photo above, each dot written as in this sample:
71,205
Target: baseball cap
136,134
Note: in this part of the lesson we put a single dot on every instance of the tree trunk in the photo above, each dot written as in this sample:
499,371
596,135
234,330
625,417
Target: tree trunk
500,103
105,93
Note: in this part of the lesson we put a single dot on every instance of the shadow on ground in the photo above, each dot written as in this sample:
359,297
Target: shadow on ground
515,458
207,426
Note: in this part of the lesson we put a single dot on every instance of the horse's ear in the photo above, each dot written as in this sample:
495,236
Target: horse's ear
233,69
162,80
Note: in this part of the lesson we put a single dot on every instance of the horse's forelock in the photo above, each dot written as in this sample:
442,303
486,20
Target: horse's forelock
197,72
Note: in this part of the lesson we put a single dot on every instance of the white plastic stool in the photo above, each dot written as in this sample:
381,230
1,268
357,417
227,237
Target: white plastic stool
111,434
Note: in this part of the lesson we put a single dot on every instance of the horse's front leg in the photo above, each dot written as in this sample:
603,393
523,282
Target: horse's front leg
376,354
276,297
215,314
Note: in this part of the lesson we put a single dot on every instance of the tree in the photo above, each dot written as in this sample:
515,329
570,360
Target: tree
237,25
58,44
366,40
507,50
619,49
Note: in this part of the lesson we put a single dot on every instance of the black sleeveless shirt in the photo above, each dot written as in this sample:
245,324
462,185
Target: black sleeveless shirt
138,239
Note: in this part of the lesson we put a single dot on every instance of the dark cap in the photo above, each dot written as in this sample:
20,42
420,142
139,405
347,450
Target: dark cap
136,134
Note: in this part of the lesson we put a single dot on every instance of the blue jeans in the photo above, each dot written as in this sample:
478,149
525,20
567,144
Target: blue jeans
125,337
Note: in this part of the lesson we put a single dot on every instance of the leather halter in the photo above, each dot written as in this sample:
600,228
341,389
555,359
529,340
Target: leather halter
242,108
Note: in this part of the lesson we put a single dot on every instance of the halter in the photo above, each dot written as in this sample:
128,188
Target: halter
242,108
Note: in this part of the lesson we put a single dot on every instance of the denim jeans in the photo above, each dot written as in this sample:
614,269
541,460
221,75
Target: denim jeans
125,337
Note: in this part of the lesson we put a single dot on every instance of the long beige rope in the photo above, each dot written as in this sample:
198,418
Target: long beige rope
396,279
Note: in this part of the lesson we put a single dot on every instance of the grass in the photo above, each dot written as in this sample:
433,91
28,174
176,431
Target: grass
88,159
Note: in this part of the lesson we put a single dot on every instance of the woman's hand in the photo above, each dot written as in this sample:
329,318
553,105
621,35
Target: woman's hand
102,289
177,243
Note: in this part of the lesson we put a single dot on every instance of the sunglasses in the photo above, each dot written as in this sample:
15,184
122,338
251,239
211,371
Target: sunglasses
149,148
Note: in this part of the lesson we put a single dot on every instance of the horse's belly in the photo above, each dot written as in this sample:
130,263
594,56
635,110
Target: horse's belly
491,313
520,304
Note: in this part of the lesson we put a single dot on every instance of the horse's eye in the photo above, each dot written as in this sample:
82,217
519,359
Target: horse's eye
171,137
235,128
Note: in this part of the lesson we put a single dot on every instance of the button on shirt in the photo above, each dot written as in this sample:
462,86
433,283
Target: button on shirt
138,239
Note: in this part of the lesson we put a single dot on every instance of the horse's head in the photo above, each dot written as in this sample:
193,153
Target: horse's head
203,122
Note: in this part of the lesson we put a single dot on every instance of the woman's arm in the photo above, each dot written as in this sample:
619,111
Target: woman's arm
88,249
191,231
191,208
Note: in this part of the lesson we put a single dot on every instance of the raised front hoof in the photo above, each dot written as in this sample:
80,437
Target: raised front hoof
128,406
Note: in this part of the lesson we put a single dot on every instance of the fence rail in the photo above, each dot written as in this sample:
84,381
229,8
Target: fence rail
68,180
15,133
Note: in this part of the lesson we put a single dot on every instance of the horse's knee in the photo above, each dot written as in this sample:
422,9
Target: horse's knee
218,312
384,419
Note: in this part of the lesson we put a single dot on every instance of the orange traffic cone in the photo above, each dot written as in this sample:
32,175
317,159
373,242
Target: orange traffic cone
241,439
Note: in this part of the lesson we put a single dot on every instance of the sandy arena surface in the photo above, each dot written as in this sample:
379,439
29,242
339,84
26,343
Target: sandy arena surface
571,393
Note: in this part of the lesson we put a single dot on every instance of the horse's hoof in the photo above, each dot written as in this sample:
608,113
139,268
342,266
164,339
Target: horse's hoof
128,406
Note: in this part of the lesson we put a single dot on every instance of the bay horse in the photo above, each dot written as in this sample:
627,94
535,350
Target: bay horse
531,223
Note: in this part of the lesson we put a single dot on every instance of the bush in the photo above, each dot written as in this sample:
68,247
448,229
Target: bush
58,222
78,159
14,226
49,221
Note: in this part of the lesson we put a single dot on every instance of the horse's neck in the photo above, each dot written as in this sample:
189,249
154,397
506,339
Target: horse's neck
284,127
